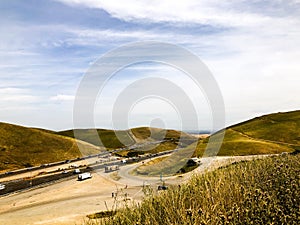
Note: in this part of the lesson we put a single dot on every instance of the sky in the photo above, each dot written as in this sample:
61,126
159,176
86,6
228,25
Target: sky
252,49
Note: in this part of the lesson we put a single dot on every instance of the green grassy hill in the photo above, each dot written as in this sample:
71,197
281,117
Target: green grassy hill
277,127
108,138
273,133
133,137
25,147
151,133
21,146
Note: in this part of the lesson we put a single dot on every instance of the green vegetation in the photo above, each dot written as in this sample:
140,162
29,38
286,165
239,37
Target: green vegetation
269,134
102,214
26,147
262,191
188,167
164,166
143,169
168,166
149,148
141,133
122,138
154,134
109,138
277,127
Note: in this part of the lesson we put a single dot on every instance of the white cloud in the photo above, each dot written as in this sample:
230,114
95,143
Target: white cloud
257,68
61,97
16,95
13,99
189,11
255,58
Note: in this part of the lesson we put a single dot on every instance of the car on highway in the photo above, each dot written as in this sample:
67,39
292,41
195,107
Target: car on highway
2,186
76,171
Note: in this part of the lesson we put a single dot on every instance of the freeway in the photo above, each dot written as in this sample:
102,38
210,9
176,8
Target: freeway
65,164
41,176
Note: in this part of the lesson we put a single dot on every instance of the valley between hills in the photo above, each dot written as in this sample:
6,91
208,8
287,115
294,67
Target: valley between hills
258,147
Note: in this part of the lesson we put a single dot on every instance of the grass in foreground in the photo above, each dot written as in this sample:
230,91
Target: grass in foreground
265,191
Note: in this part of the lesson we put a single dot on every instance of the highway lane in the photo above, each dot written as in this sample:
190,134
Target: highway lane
66,164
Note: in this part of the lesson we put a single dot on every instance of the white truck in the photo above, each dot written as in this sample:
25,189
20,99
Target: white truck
84,176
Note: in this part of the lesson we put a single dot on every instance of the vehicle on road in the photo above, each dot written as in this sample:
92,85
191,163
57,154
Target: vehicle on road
74,166
84,176
162,187
111,168
76,171
2,186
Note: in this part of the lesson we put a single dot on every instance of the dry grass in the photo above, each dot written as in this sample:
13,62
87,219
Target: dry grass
115,176
269,134
144,168
170,165
265,191
25,147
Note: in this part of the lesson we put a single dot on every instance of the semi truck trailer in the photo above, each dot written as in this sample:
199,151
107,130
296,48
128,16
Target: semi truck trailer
84,176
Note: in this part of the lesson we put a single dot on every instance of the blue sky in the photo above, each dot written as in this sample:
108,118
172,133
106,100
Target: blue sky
252,49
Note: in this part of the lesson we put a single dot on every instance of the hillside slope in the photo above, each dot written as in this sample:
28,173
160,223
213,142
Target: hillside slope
268,134
134,141
277,127
108,137
25,147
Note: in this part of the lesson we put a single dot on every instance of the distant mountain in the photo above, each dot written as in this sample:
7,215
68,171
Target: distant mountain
268,134
25,147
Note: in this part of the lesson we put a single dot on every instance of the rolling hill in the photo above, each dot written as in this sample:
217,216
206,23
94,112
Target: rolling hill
108,137
132,140
25,147
268,134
